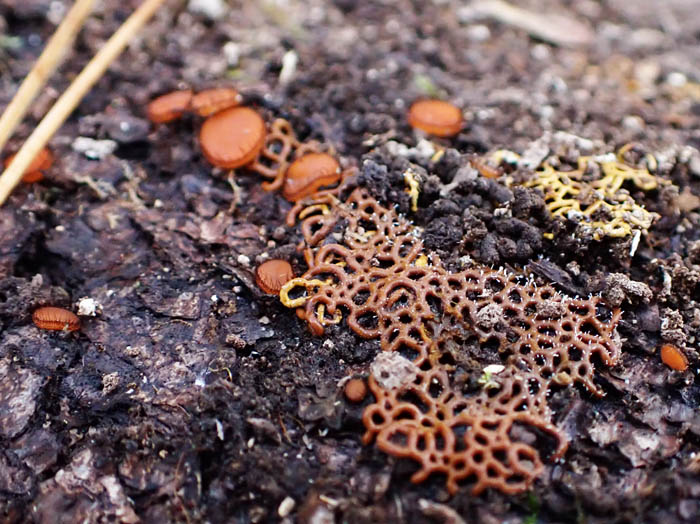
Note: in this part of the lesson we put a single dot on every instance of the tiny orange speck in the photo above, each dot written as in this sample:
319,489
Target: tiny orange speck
673,357
355,390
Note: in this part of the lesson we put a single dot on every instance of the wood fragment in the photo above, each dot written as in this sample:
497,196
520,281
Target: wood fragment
548,26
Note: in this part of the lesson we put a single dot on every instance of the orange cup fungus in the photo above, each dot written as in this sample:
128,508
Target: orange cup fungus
210,101
674,357
169,107
232,138
309,173
435,117
486,170
272,275
43,160
55,319
355,390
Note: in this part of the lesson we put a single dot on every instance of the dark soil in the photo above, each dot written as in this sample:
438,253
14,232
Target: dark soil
192,397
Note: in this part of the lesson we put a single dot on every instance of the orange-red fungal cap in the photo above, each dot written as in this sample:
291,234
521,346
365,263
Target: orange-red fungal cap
210,101
31,177
355,390
272,275
673,357
485,169
56,319
233,137
43,160
309,173
435,117
169,107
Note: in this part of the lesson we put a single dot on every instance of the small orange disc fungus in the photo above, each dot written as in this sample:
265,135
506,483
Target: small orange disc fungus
169,107
210,101
673,357
272,275
43,160
233,137
56,319
355,390
307,174
435,117
486,170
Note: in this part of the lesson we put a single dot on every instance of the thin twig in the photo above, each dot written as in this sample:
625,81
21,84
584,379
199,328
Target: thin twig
52,56
73,95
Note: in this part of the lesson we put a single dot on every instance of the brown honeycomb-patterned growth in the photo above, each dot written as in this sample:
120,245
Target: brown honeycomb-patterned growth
483,441
382,284
280,144
281,150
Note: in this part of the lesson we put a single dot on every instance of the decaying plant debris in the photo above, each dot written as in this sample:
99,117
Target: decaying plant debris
189,394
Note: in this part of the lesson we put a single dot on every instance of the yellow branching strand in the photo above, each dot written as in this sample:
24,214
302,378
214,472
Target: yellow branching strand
309,285
321,315
413,188
323,208
421,261
603,205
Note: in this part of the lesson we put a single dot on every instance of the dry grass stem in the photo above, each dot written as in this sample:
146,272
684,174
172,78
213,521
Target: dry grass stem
74,94
52,56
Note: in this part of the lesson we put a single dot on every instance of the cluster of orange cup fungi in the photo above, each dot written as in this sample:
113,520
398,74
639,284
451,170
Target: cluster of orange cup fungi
381,283
171,106
35,172
55,319
235,136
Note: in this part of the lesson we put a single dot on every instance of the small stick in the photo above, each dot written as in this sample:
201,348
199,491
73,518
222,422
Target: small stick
69,100
50,59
